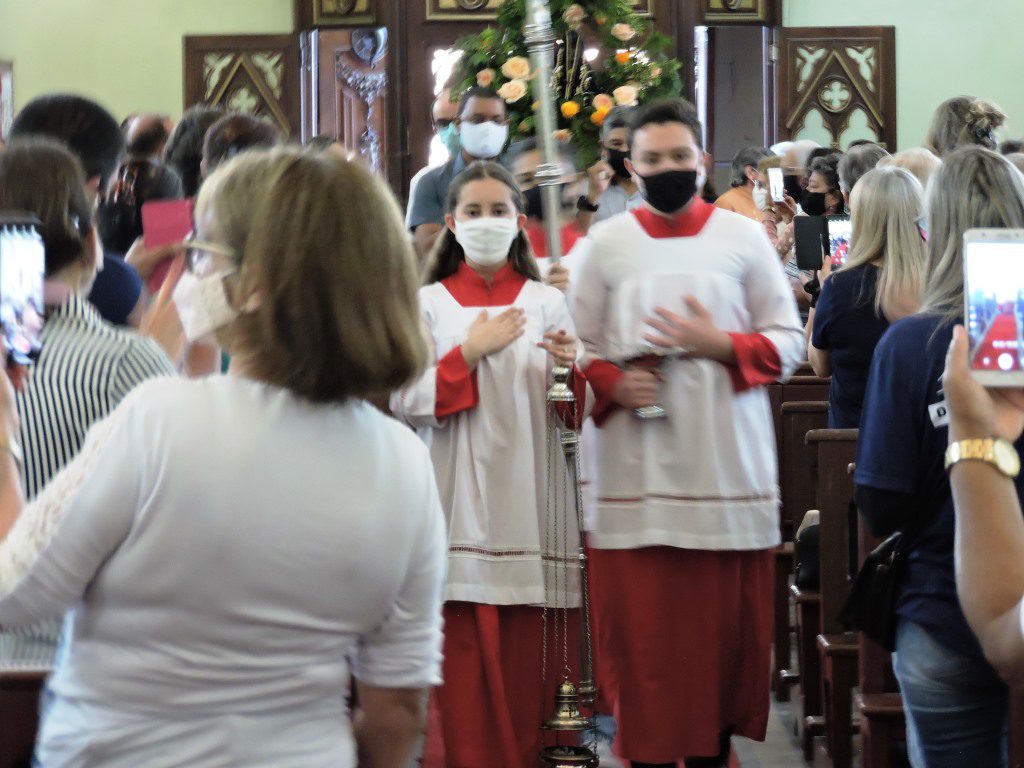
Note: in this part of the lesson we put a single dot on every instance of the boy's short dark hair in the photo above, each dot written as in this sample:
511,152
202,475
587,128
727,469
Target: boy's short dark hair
234,134
87,129
477,92
676,110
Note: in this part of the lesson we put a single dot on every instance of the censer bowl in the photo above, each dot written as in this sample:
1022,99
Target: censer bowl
569,757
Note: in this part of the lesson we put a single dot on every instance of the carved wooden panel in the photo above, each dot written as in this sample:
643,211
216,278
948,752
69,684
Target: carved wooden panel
352,100
6,98
335,13
838,84
487,10
719,12
254,74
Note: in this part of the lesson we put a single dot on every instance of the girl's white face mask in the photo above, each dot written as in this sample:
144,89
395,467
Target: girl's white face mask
487,241
203,305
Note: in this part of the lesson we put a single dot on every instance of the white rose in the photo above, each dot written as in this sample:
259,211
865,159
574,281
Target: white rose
625,95
623,32
513,91
516,68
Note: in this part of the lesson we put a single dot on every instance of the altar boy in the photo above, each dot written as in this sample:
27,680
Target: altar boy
682,305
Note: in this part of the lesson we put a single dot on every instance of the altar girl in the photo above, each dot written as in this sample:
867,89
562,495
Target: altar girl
496,332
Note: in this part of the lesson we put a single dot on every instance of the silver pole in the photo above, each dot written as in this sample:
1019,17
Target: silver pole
540,41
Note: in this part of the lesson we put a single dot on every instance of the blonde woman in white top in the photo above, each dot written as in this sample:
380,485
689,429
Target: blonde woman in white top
232,550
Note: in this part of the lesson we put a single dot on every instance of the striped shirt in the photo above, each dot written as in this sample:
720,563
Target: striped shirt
85,370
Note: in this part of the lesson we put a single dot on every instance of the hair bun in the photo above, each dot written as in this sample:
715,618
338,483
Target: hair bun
983,119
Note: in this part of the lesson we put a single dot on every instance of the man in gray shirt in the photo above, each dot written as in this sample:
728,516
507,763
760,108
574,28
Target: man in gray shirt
483,132
611,188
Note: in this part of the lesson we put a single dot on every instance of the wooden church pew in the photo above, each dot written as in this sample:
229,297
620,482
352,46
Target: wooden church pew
797,481
836,450
19,715
1017,729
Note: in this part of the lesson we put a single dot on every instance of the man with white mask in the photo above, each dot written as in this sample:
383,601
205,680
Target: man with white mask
482,124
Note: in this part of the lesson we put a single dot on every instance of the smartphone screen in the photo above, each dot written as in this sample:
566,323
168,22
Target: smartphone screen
994,289
22,268
809,232
164,222
839,230
776,185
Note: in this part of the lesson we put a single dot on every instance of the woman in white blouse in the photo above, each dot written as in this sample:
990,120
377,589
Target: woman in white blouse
231,550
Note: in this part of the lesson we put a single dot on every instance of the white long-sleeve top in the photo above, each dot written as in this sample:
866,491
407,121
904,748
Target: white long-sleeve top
494,447
229,555
706,476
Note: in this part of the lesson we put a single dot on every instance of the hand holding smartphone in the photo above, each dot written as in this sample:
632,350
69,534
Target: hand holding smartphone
994,305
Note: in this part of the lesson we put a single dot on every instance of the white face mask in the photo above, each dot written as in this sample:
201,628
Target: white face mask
483,140
203,305
486,241
761,197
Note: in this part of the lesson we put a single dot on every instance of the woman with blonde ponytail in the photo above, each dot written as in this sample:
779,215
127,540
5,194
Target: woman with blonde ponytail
880,283
955,702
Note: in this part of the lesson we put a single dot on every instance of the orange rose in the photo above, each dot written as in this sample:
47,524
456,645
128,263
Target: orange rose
623,57
570,109
598,117
603,102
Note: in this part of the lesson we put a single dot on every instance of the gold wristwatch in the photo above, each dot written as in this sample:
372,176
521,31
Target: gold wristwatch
995,451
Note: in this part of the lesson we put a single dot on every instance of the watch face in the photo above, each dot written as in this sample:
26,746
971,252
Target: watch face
1007,458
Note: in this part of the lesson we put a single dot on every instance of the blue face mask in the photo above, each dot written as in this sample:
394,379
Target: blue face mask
449,136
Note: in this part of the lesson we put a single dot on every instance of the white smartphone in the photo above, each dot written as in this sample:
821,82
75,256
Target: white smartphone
994,305
776,185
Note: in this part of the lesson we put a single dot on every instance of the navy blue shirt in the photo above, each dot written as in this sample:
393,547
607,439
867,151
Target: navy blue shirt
902,448
848,327
117,290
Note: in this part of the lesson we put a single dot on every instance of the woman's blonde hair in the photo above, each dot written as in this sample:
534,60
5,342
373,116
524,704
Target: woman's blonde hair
919,161
886,206
326,279
974,188
964,121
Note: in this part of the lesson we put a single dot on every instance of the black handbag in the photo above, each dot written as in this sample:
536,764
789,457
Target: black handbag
871,606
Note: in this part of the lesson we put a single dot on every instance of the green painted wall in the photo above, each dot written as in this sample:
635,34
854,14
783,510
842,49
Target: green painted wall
944,48
127,54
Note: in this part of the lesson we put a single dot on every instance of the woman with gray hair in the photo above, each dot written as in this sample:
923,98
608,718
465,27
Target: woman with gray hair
740,198
856,163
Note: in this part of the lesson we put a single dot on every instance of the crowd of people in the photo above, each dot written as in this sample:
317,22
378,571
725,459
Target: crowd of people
214,517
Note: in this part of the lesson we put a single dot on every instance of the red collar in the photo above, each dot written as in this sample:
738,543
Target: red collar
471,290
538,237
686,224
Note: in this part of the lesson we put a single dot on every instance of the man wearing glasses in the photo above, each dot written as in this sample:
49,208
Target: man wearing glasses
482,125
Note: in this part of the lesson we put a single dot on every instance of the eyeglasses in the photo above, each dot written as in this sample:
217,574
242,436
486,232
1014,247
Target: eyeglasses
199,254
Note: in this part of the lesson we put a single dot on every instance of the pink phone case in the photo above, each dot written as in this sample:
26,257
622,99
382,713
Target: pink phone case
164,222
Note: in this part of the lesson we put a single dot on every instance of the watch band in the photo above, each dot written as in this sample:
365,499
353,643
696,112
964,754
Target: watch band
997,453
583,204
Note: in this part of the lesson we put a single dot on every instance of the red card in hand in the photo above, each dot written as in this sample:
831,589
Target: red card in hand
164,222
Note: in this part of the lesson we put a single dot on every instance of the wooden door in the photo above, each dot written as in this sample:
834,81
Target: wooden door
352,89
838,84
255,74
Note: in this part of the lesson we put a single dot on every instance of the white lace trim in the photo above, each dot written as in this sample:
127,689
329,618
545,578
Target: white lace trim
38,521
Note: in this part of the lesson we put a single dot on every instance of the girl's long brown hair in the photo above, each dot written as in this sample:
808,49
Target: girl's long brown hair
448,255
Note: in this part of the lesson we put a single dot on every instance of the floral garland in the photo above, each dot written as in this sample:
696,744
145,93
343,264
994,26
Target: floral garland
635,67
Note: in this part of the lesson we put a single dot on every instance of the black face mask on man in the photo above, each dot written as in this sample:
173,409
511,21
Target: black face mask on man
535,205
617,160
670,191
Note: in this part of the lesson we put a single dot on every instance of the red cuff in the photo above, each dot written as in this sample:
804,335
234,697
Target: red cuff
603,376
456,385
757,361
572,413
